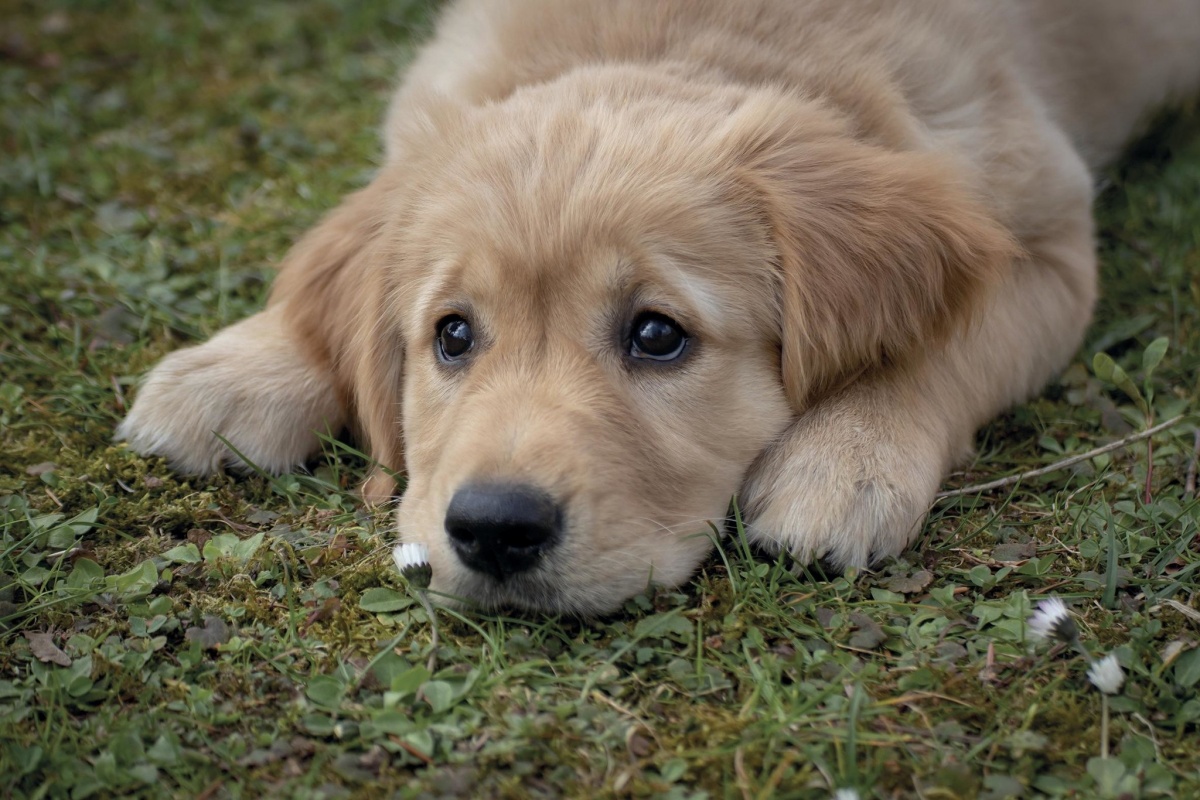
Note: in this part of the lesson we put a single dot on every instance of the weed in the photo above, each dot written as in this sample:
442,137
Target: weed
249,636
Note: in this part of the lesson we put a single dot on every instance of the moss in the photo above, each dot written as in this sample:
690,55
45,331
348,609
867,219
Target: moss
156,160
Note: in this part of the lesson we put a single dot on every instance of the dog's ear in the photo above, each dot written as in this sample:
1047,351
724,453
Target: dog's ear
332,283
378,366
880,251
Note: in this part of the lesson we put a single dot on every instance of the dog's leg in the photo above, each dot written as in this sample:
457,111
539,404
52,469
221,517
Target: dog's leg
270,384
251,385
853,478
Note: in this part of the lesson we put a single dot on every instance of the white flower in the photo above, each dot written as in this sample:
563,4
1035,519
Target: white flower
412,559
1052,620
410,554
1106,674
845,794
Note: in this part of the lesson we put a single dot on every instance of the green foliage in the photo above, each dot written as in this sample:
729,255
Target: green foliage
247,637
1109,370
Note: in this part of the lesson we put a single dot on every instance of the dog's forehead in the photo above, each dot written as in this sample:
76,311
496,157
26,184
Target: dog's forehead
539,186
564,218
590,282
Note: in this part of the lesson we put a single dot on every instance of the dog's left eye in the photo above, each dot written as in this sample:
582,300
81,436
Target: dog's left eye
454,337
656,337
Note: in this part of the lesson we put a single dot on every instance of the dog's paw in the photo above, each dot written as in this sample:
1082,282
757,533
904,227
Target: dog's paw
850,482
251,387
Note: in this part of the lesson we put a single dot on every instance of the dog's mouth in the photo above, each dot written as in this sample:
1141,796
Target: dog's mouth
530,574
508,543
565,582
541,590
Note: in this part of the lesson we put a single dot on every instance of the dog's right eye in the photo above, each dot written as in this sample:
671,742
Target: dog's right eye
454,338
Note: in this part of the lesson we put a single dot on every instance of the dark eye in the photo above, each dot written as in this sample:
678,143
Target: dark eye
656,337
454,337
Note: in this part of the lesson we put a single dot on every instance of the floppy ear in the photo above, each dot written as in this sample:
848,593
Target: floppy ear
378,368
880,251
332,284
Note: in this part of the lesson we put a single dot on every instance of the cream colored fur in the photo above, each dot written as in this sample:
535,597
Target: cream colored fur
248,385
873,218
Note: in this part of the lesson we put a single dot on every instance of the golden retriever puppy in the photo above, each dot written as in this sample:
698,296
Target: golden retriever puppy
627,260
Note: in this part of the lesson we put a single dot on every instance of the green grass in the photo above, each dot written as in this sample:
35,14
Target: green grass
237,637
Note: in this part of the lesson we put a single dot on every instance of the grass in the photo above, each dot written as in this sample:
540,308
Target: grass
238,637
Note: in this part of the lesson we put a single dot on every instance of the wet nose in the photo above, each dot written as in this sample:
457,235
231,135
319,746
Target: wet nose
502,529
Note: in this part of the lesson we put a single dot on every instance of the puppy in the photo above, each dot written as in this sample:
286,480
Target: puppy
627,260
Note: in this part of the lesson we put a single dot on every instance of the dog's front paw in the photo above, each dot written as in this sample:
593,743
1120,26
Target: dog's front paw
850,482
250,386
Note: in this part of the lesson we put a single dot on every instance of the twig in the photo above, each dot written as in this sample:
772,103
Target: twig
412,751
739,769
1189,485
768,789
1187,611
375,660
608,701
211,789
1150,733
979,488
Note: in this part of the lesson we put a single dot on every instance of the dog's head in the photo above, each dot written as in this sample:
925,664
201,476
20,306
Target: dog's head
593,305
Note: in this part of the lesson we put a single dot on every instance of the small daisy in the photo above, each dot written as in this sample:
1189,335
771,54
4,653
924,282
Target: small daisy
1106,674
1052,620
412,559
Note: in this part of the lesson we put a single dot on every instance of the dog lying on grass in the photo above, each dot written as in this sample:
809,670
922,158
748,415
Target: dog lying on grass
627,259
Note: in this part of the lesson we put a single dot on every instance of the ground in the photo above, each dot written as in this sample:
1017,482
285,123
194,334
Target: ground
245,636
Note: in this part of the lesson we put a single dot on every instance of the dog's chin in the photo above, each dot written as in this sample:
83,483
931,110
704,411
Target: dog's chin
542,590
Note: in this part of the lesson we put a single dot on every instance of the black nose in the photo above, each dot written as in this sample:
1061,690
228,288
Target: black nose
502,529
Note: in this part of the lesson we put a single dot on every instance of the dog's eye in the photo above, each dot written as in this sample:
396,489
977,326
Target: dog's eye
454,337
657,338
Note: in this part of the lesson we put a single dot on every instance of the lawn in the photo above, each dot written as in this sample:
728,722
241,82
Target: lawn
249,636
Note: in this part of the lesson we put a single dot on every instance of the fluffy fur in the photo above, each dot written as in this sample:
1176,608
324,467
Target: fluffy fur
872,217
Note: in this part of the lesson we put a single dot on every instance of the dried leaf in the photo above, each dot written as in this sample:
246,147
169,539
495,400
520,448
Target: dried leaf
639,746
825,617
905,584
214,633
1014,551
1187,611
950,651
322,613
869,635
45,650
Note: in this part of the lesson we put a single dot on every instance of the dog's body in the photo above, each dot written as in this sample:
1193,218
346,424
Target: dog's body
855,230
